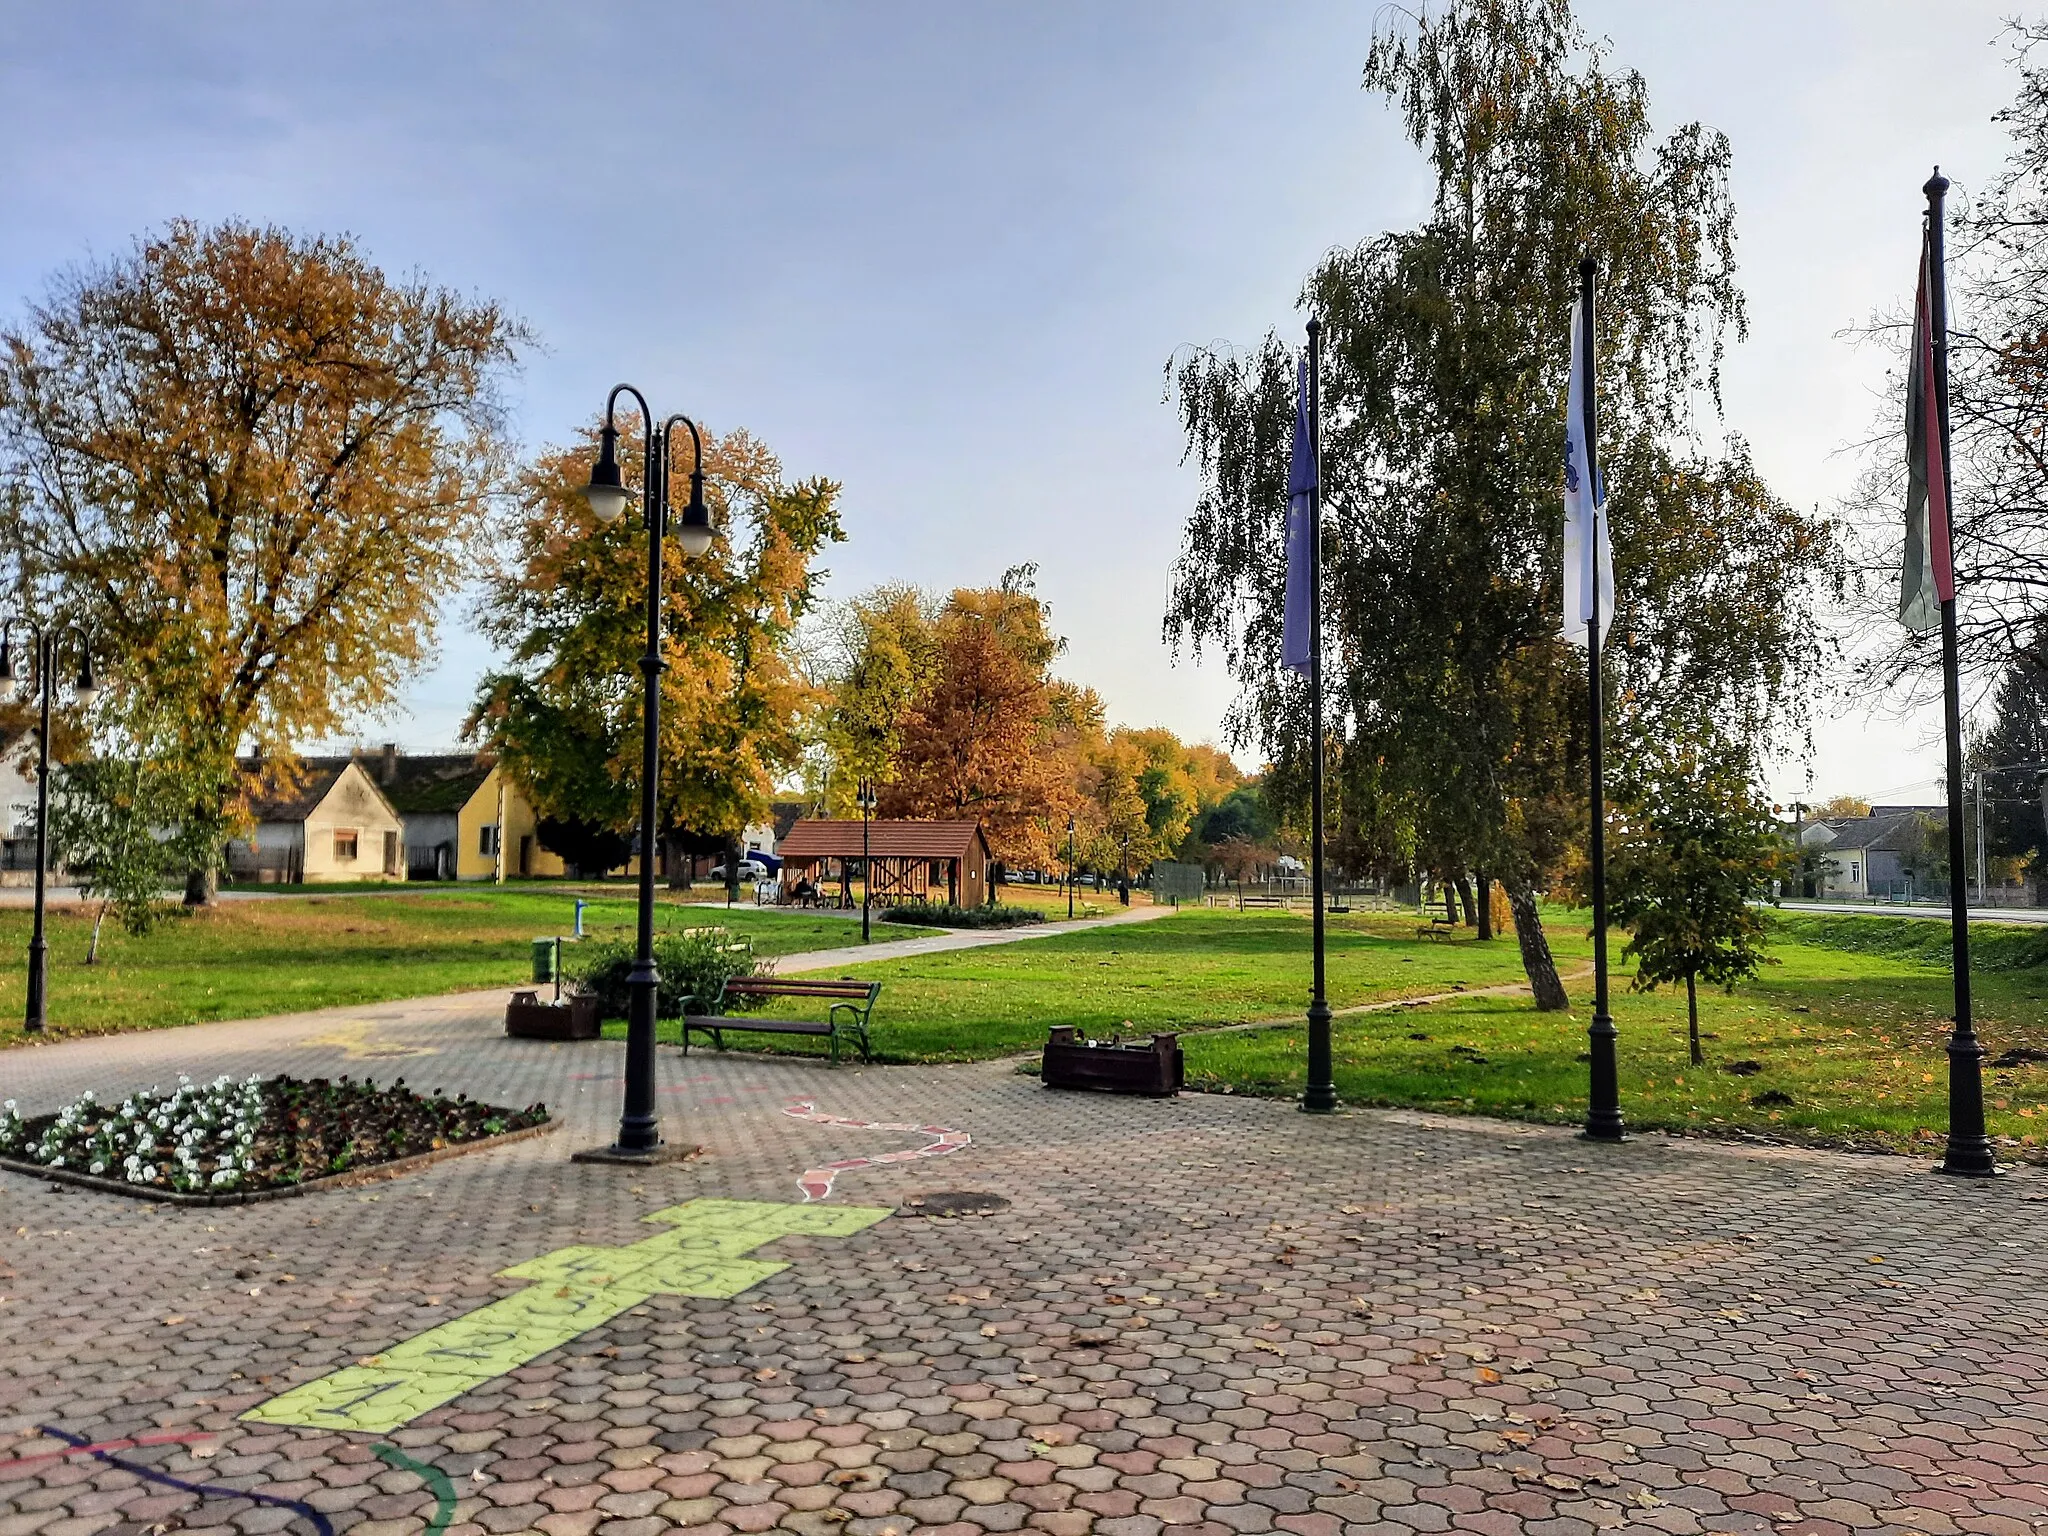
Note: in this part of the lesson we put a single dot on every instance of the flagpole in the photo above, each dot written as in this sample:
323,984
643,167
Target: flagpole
1968,1152
1603,1097
1319,1096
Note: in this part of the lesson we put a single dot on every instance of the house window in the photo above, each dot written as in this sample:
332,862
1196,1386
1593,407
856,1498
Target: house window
1855,872
345,840
487,840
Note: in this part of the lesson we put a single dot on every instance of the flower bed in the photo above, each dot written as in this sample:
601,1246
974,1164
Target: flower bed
235,1138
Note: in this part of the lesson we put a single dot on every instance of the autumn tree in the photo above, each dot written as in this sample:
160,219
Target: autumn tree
1455,709
975,745
1691,852
880,656
568,608
253,466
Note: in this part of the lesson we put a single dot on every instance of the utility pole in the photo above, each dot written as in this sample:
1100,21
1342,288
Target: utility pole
1980,835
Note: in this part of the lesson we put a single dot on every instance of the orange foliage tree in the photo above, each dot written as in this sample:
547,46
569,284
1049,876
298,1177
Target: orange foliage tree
568,606
253,466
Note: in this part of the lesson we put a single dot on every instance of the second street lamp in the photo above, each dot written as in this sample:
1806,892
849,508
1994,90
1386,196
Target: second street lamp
1070,869
43,679
866,796
639,1139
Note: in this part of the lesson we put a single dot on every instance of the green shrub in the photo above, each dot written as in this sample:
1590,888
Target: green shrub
927,914
692,965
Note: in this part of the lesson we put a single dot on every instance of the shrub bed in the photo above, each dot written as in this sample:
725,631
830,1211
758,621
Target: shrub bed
692,965
925,914
229,1137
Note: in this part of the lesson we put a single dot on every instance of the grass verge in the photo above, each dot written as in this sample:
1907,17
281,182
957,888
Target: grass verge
247,959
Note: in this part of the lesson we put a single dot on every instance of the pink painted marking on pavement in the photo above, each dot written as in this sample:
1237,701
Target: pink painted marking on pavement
816,1183
139,1441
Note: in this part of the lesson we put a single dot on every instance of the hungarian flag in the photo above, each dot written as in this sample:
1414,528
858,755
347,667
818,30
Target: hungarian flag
1928,578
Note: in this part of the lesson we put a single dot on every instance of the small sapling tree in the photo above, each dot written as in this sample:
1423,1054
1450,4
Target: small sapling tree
1693,851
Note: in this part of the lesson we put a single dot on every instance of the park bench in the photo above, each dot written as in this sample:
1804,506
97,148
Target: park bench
848,1007
1438,927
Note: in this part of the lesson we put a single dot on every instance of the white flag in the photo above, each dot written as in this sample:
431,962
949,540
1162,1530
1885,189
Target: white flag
1585,503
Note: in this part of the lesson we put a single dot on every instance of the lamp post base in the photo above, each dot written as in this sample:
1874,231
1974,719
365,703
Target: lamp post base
653,1157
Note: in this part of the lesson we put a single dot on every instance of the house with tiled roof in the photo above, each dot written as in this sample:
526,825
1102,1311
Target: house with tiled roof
1886,853
327,820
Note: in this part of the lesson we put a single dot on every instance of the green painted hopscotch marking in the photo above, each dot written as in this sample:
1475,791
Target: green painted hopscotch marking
574,1290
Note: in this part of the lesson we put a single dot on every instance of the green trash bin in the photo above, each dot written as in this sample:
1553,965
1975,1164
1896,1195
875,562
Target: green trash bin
544,952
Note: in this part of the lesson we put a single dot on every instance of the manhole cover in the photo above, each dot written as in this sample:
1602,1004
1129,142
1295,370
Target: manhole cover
953,1202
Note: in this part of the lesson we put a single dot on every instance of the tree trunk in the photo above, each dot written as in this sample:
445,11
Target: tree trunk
732,871
1692,1021
1450,896
92,953
678,863
202,886
1465,900
1537,963
1485,885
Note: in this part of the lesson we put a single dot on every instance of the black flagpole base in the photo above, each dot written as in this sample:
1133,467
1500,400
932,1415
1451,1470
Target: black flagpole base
1320,1096
1970,1161
1603,1107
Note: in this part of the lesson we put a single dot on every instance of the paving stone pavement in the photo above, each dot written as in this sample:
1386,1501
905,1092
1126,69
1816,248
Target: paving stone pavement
1197,1317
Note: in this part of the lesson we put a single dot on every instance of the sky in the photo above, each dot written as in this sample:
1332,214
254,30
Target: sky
942,254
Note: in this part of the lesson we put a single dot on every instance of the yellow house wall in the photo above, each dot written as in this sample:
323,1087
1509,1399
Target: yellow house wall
482,811
353,804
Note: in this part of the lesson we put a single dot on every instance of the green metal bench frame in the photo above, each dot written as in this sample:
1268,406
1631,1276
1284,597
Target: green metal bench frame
852,1003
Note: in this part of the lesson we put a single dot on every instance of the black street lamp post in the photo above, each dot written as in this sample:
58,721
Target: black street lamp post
44,682
866,796
1070,869
639,1138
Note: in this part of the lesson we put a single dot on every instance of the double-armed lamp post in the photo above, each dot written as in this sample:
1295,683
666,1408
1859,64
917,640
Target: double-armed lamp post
865,795
640,1125
43,680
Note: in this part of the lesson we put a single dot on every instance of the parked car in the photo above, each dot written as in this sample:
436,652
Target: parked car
750,869
1023,877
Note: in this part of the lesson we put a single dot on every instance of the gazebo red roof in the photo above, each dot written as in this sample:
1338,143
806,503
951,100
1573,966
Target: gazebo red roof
809,841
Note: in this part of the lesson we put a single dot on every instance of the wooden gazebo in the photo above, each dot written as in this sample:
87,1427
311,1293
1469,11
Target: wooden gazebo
907,860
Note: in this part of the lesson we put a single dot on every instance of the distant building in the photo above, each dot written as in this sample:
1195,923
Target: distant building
911,860
334,824
429,791
498,836
1882,854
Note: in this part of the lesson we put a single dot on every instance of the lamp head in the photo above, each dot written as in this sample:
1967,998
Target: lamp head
694,531
87,687
607,493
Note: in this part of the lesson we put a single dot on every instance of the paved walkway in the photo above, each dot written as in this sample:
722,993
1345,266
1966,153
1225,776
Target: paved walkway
1197,1317
943,943
2025,917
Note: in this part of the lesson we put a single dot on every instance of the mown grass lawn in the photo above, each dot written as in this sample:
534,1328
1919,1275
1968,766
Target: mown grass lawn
1839,1043
245,959
1193,970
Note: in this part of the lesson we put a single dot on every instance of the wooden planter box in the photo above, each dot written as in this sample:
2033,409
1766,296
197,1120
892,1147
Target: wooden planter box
573,1018
1153,1069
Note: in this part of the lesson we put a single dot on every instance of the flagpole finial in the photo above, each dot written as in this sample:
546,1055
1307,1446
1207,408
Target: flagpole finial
1937,186
1586,265
1314,325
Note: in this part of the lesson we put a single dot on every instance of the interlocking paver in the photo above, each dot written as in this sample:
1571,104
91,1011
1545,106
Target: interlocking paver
1200,1317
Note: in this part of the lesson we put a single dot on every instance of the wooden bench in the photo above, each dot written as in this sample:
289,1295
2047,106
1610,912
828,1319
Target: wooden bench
1438,927
851,1004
